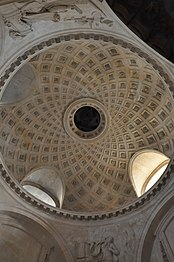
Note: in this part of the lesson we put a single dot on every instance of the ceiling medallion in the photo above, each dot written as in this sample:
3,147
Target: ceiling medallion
86,119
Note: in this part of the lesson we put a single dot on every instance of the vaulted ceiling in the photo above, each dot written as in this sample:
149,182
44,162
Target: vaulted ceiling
138,113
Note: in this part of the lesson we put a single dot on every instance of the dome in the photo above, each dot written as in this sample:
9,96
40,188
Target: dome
131,101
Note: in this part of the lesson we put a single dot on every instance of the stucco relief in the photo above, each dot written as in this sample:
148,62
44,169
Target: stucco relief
101,251
94,19
20,22
48,10
126,237
107,243
82,12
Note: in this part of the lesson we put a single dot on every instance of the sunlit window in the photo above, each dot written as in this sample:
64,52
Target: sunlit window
45,184
39,194
155,177
145,168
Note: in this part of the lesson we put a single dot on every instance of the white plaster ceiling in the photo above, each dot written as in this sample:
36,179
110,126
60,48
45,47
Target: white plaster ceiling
136,98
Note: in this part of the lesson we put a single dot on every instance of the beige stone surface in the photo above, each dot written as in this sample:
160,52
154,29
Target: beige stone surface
87,55
138,103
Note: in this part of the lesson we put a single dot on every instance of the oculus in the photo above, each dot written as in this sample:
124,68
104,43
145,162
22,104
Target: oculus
86,119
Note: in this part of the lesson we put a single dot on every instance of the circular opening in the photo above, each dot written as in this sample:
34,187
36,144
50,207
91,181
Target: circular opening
87,118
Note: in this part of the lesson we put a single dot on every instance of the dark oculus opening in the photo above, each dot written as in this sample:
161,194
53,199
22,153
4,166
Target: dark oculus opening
87,118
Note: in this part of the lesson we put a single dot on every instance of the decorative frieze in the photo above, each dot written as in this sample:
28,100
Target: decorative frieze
21,20
105,250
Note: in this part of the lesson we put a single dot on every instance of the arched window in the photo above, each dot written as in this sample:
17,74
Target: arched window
45,184
145,168
40,194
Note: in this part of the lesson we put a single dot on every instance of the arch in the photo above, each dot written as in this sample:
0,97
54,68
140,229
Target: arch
45,184
158,217
20,87
28,228
145,169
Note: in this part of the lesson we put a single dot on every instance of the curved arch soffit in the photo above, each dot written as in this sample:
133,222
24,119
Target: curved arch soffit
27,215
145,169
51,184
20,86
145,246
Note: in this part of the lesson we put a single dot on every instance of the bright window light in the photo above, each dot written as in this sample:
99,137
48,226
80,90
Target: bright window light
39,194
155,177
145,168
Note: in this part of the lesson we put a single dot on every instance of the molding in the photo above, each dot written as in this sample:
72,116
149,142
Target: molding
1,35
17,189
163,252
153,226
78,36
12,183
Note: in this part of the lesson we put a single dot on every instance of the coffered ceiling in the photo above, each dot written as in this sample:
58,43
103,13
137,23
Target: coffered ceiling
137,104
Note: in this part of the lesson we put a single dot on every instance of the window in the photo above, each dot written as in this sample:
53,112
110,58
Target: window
45,184
39,194
145,168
